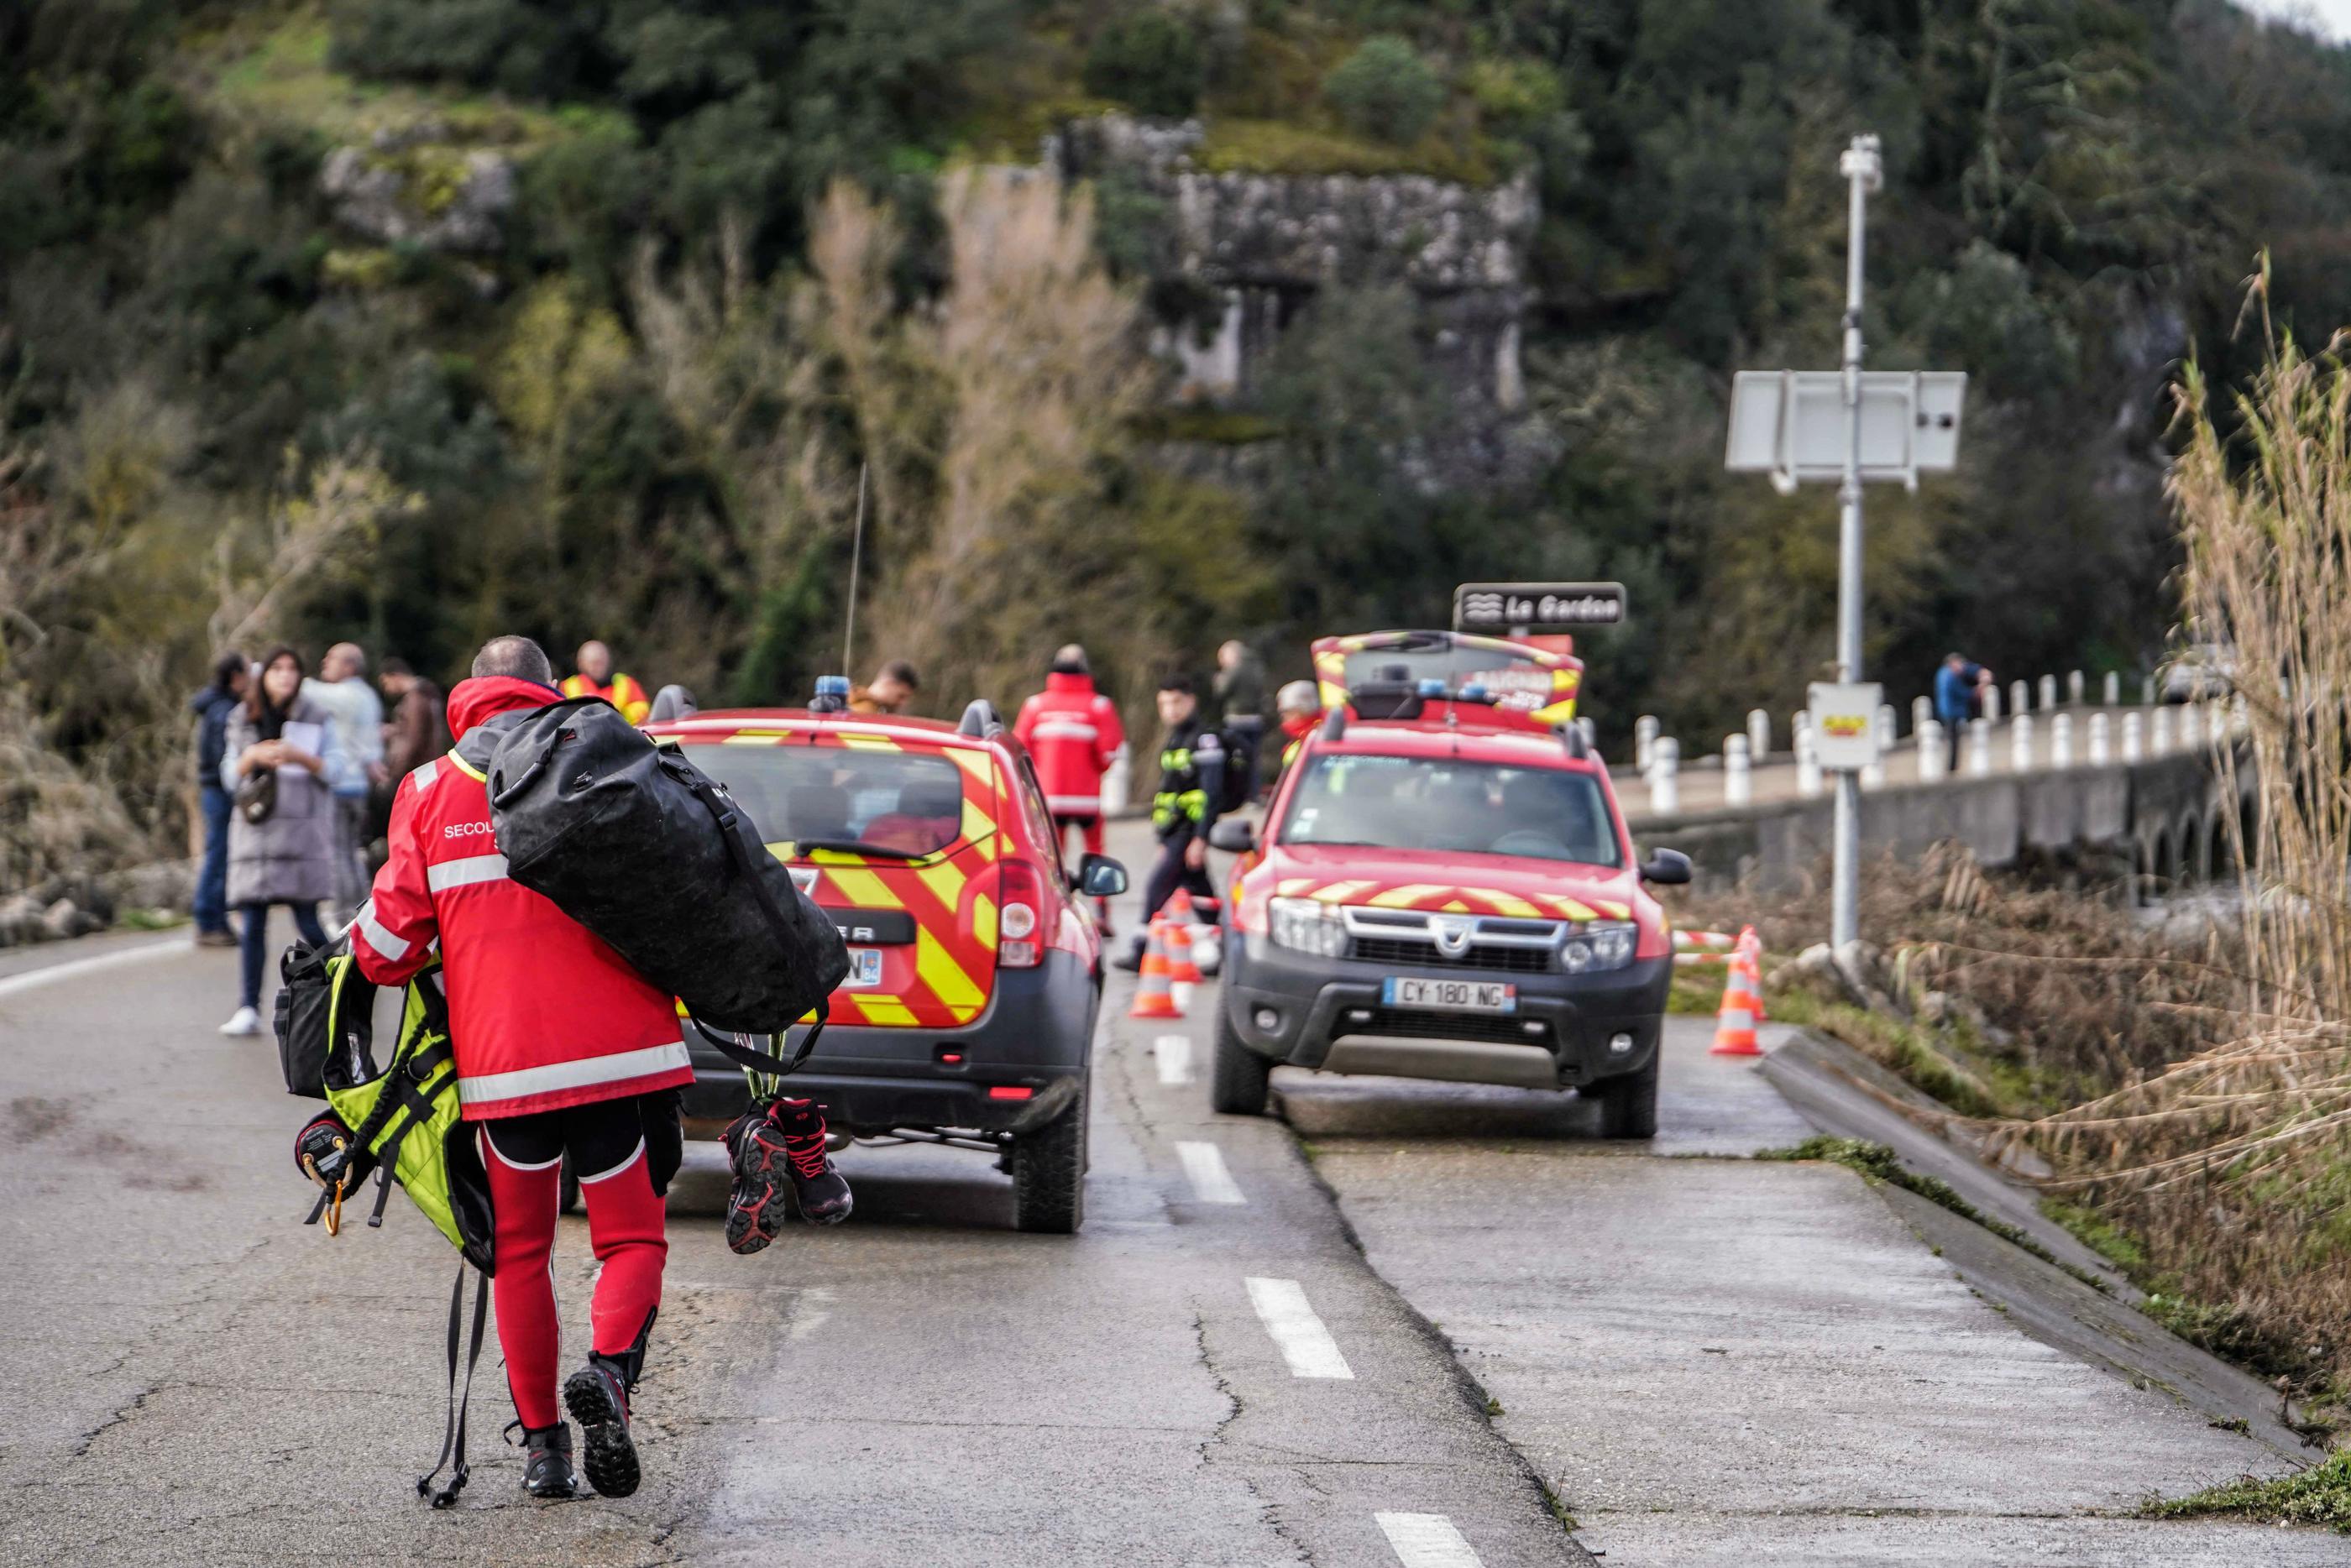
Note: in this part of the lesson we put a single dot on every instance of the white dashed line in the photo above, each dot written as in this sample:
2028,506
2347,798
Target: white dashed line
30,979
1174,1053
1204,1164
1426,1541
1296,1333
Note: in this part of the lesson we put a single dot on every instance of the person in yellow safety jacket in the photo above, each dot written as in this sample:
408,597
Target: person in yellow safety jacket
597,678
1191,789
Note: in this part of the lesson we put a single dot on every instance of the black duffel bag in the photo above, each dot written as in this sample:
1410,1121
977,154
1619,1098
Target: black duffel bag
641,847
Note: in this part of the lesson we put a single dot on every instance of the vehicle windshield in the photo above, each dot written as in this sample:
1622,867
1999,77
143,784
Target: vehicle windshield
1516,681
906,803
1453,804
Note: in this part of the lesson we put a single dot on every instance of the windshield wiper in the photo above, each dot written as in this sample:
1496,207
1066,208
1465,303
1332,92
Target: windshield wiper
858,847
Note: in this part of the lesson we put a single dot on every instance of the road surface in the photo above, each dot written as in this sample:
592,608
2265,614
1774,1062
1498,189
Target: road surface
1396,1336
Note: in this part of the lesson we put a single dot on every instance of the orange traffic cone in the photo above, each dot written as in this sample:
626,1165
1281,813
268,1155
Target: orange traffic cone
1734,1025
1155,996
1179,907
1752,946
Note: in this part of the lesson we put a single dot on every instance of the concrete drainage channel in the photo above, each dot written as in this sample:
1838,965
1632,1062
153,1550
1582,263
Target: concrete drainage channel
1709,1359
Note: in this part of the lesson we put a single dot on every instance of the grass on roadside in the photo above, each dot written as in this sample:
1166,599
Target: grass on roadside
2320,1496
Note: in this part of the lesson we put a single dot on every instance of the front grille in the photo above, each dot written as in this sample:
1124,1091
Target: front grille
1480,955
1497,1026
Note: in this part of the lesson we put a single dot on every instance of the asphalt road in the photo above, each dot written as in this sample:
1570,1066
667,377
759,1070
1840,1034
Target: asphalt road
1394,1336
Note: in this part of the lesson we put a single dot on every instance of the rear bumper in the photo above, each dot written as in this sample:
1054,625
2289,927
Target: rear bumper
1036,1033
1326,1012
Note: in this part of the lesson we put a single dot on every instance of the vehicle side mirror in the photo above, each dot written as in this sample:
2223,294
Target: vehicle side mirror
1100,877
1667,868
1233,834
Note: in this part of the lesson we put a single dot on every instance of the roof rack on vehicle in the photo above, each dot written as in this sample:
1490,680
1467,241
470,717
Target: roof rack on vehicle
979,720
1576,736
1334,723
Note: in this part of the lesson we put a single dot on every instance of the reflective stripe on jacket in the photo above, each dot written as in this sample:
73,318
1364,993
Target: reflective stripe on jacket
623,693
1071,733
542,1013
1191,778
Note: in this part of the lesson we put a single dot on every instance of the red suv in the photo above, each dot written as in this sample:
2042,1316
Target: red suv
967,1017
1447,900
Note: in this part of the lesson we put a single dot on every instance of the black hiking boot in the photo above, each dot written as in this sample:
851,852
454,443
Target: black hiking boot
1130,960
823,1192
598,1397
547,1462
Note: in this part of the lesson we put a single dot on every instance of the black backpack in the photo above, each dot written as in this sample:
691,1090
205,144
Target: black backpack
641,847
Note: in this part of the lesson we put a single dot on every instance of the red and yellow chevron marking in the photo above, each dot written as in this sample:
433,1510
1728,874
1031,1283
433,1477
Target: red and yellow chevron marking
1452,900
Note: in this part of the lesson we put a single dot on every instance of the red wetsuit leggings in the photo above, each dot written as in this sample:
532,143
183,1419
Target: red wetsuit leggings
623,1152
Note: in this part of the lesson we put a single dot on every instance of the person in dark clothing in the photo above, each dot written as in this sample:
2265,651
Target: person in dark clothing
213,707
1241,710
1183,807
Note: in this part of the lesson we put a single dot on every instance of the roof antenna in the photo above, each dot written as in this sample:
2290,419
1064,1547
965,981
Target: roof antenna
856,560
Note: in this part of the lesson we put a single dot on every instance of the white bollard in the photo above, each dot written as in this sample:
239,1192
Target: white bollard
2191,725
2020,696
2112,693
1644,740
2074,688
1759,735
1665,782
1933,759
2020,743
1889,730
2134,737
2147,691
1800,722
2158,734
1737,778
2101,753
2048,693
1991,704
1118,780
1979,747
1922,710
1808,764
2061,741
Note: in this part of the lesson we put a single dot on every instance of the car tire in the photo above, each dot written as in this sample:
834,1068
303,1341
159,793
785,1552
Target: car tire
567,1191
1628,1105
1238,1079
1049,1174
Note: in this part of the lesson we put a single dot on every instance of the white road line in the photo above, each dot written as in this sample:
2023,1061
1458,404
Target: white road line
1174,1053
1204,1164
1296,1333
1426,1541
168,948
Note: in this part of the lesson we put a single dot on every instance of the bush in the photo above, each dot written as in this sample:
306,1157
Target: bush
1150,60
1386,89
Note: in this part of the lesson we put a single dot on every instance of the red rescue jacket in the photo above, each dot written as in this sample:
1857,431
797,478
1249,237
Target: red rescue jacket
1072,732
542,1014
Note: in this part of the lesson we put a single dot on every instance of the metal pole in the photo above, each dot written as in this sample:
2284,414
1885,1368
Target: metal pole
1860,166
856,560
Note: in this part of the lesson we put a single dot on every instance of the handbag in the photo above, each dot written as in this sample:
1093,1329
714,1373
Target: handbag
257,795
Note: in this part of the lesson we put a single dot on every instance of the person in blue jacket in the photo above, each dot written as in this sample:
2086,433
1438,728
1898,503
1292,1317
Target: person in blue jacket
1957,685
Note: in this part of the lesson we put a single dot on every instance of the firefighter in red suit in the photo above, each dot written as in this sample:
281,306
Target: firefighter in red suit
1071,733
561,1049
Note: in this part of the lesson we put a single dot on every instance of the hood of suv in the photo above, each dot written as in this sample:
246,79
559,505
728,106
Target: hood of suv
1450,882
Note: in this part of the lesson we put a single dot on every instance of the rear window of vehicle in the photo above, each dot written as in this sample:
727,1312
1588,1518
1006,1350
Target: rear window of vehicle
907,803
1516,682
1453,804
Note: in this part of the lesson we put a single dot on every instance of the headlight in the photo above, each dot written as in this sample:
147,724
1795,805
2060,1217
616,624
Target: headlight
1309,926
1598,945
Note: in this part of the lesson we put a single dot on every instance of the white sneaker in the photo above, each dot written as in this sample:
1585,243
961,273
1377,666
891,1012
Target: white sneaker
245,1020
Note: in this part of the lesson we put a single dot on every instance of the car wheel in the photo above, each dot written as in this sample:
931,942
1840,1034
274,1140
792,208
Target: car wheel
1628,1105
1239,1078
567,1192
1049,1174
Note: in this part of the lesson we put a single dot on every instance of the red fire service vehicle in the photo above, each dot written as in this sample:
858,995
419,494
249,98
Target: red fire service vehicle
1447,892
967,1017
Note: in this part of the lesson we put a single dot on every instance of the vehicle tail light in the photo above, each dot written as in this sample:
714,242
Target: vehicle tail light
1010,1092
1021,921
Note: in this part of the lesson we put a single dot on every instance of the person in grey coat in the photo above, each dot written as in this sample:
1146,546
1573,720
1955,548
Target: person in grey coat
288,856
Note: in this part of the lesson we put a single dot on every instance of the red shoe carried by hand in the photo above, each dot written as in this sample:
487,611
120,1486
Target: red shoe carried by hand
774,1144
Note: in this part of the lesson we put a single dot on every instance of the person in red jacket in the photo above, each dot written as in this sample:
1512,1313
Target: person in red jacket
561,1049
1071,733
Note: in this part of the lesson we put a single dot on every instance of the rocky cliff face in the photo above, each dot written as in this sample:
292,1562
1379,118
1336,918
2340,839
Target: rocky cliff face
1260,246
